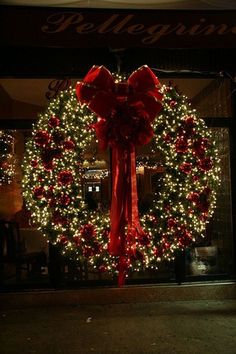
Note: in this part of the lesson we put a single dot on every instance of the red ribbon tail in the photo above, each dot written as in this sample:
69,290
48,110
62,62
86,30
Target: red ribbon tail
124,207
117,214
134,227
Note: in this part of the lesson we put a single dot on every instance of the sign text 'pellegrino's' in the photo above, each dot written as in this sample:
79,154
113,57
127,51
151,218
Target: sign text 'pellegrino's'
148,32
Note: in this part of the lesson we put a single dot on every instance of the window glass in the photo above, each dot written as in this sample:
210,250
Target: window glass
23,99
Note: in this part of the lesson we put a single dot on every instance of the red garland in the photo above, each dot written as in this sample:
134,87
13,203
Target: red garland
186,167
126,111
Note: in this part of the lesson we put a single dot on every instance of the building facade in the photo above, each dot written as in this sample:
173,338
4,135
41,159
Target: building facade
47,49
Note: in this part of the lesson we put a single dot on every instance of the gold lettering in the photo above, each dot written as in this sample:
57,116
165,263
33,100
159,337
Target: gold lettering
115,24
157,31
180,30
103,27
59,22
135,29
85,28
193,29
119,28
220,29
55,87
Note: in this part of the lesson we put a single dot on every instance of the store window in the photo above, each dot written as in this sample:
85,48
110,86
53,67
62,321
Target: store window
211,258
214,254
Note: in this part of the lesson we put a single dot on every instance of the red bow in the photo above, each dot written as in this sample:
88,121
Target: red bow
125,111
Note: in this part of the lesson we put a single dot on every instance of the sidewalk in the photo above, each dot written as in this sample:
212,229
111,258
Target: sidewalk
180,327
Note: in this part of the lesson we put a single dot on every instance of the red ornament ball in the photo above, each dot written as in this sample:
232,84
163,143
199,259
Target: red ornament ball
186,167
171,223
196,178
63,239
65,200
185,239
87,231
48,166
53,122
42,138
77,241
144,239
205,164
198,148
39,192
58,219
65,177
69,145
88,252
34,163
193,197
181,145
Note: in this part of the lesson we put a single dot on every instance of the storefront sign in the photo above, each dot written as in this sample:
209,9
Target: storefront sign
117,28
56,86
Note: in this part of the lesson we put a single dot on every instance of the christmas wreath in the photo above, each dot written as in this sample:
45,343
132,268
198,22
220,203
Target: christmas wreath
121,115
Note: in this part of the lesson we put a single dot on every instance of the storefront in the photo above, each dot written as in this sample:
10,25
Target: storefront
46,50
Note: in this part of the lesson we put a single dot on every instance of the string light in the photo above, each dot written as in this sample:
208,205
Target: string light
7,160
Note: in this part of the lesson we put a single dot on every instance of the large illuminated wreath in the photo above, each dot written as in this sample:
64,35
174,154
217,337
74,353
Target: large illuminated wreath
54,172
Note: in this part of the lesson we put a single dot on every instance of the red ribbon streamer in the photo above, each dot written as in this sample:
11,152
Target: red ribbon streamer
125,111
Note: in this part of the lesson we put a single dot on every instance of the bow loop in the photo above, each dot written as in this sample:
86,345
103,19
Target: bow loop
146,88
143,79
98,79
96,89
